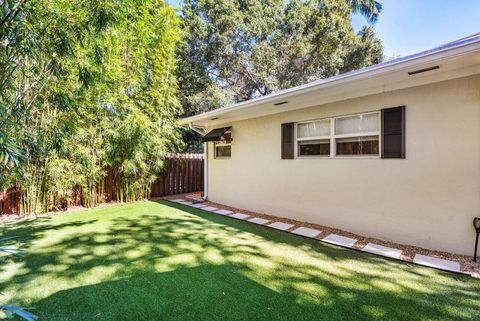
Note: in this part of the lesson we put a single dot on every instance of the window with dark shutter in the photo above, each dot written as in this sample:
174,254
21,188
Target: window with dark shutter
287,140
393,132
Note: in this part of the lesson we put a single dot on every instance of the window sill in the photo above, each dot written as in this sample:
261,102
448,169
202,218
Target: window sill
313,157
359,157
338,157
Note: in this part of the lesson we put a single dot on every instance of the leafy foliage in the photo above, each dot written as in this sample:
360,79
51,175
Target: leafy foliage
368,8
8,311
9,245
85,85
238,50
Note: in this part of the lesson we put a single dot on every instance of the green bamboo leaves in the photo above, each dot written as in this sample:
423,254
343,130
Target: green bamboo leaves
86,86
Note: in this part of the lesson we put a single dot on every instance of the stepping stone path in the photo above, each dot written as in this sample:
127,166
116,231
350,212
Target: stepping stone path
437,263
258,220
340,240
382,250
373,248
209,208
198,205
305,231
280,226
240,216
223,212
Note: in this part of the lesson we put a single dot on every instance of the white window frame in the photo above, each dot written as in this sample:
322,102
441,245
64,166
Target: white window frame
222,143
332,137
297,140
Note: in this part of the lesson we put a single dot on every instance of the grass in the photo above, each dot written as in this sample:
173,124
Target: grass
159,261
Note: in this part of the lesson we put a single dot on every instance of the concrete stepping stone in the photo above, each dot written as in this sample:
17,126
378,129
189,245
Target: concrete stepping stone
340,240
178,200
437,263
258,220
382,250
223,212
240,216
305,231
198,205
280,226
209,208
186,203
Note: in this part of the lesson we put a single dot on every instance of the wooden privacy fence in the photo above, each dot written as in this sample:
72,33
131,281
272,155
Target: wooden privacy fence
183,173
10,200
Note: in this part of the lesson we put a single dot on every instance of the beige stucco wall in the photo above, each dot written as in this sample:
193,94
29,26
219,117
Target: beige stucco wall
428,199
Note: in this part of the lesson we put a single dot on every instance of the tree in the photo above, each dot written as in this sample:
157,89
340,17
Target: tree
128,100
38,38
370,9
238,50
85,85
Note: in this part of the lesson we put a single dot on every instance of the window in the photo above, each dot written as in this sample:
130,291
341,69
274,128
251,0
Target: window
314,138
366,145
357,135
223,148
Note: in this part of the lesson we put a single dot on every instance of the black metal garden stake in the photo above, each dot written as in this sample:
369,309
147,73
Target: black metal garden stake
476,224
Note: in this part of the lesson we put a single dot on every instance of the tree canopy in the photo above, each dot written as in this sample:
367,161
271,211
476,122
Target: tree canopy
238,50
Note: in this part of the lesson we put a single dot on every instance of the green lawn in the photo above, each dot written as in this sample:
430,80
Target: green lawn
159,261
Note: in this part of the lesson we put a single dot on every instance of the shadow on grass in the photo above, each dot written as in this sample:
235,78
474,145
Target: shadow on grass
182,294
164,261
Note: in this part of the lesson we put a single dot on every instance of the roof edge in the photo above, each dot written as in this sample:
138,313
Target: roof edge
377,70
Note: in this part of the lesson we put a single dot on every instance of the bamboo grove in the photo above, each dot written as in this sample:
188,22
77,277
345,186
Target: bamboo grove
85,86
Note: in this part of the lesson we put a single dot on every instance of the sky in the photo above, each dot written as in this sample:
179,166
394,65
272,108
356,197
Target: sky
410,26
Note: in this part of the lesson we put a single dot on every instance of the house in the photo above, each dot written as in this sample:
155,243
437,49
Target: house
391,151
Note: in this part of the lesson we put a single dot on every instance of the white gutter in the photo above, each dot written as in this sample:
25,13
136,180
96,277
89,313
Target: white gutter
201,131
205,171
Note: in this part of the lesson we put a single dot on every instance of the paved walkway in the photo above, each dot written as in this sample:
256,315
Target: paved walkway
339,240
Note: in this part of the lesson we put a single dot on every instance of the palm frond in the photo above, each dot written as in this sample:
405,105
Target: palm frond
370,9
10,311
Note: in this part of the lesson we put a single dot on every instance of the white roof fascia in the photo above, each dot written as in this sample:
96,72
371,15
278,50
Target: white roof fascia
448,51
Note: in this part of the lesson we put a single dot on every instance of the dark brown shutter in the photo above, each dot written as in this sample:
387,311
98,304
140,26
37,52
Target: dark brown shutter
287,141
393,132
